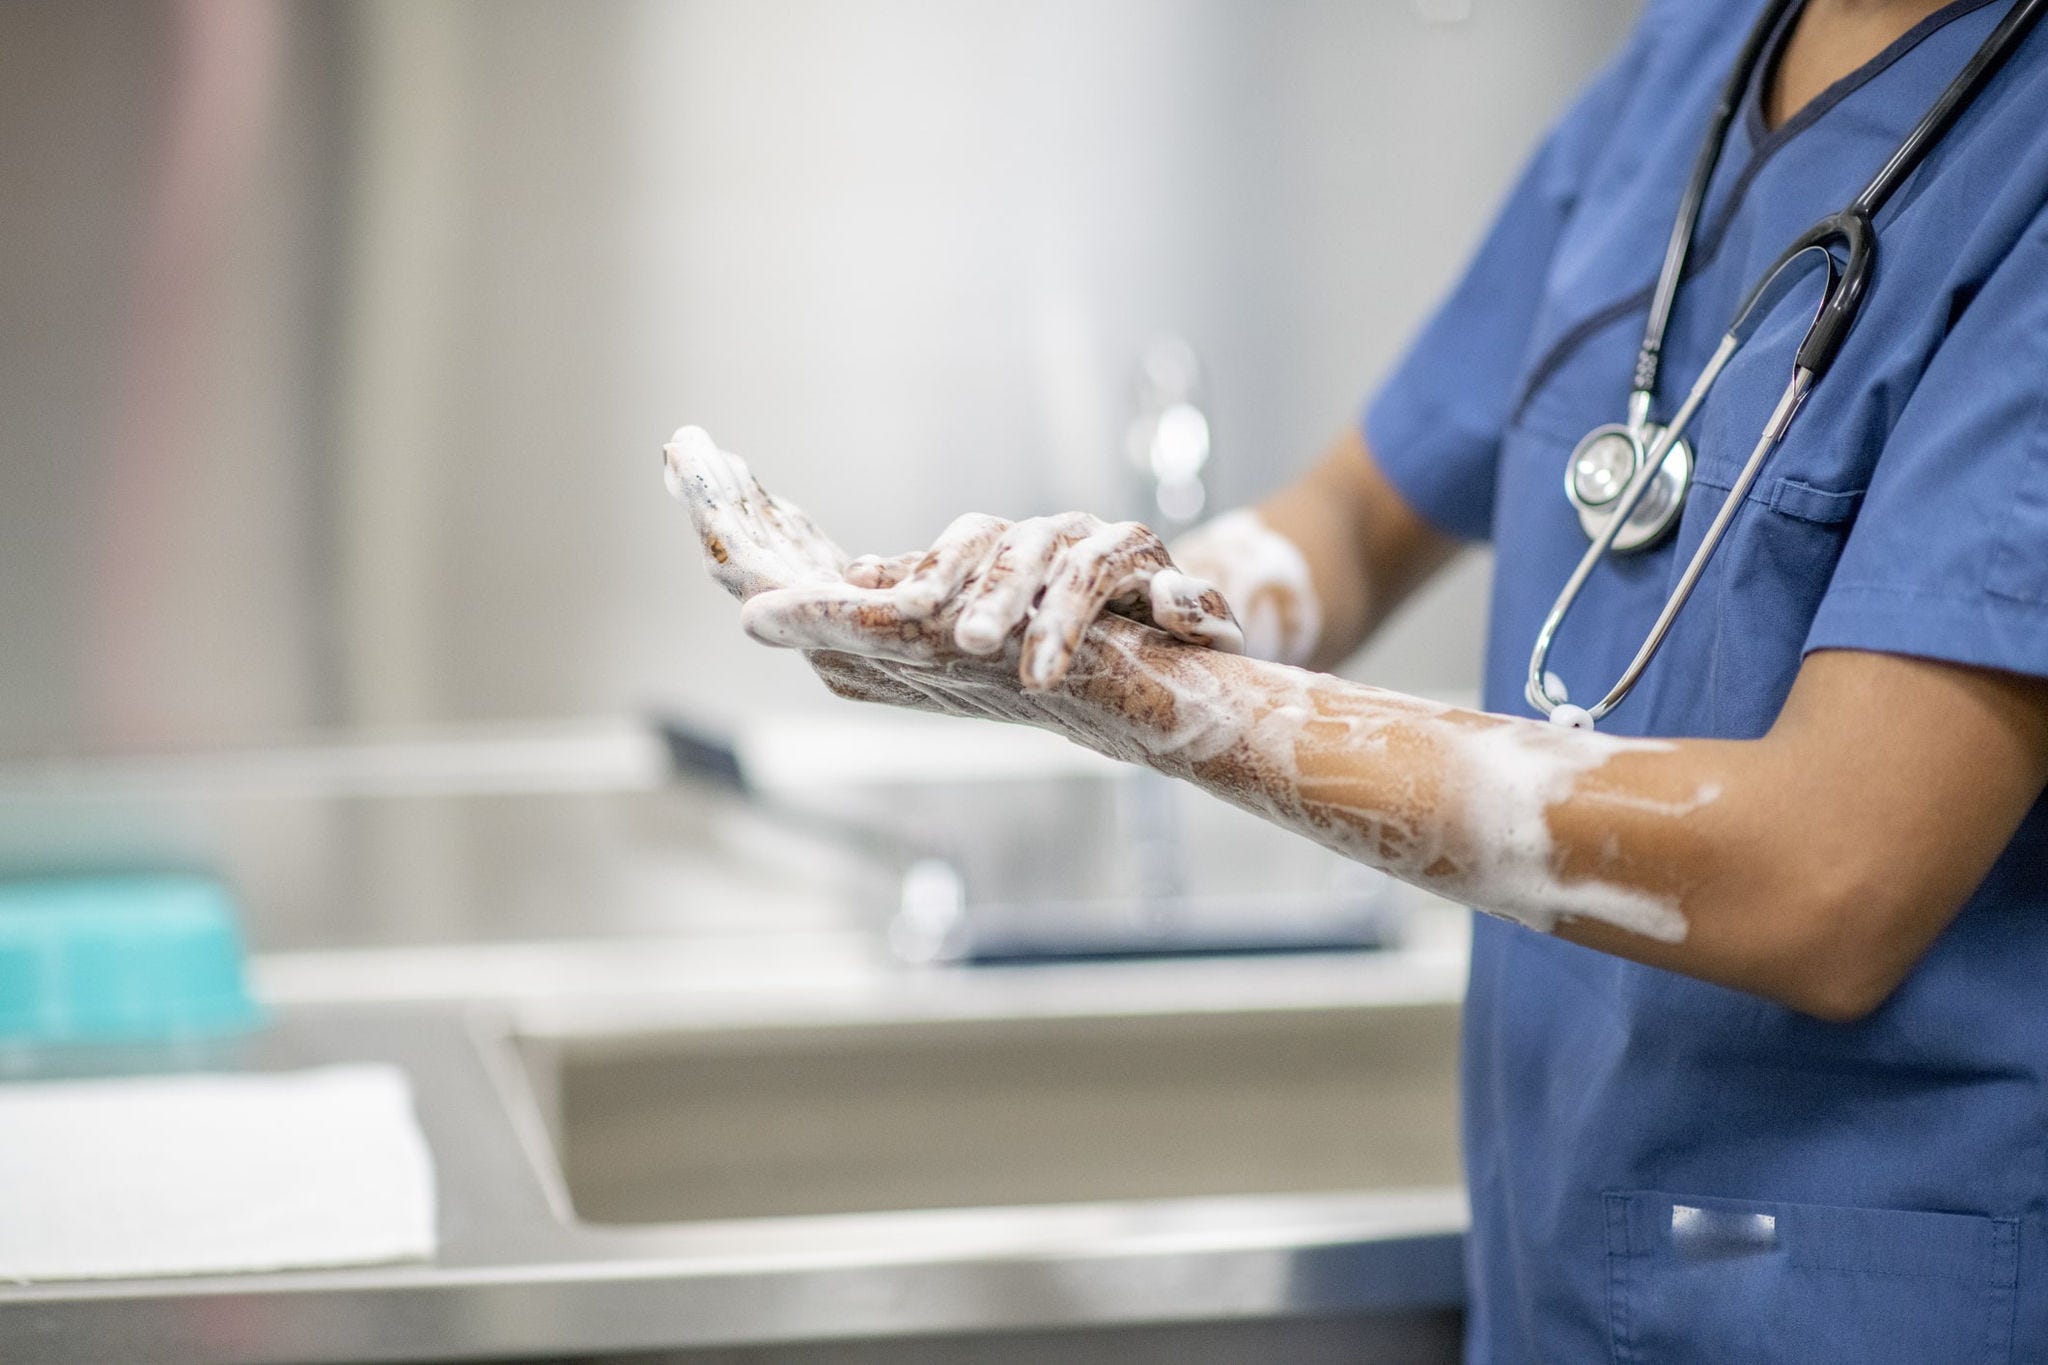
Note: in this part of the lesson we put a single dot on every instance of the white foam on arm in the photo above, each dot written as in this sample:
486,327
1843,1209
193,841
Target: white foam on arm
1264,577
1455,801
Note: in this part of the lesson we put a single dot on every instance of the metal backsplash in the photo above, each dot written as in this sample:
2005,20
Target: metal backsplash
336,342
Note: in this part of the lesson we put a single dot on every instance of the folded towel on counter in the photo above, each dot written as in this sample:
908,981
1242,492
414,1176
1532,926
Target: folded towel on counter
205,1174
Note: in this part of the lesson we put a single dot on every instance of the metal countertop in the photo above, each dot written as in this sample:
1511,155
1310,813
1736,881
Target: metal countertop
517,1272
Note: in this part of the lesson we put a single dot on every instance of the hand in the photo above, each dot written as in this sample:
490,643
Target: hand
849,619
1050,578
754,542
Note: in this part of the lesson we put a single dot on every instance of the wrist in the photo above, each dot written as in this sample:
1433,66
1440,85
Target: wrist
1265,578
1138,696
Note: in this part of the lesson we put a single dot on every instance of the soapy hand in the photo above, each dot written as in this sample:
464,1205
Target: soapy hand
799,590
1266,579
753,541
986,589
1051,578
1118,690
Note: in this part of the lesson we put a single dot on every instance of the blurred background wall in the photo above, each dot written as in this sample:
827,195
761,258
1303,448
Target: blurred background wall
337,341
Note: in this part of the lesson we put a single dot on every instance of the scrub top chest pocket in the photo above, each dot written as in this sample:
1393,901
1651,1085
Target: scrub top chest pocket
1736,649
1775,566
1719,1280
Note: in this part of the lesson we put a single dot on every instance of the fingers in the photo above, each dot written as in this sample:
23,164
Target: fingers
957,553
876,571
753,541
675,460
1194,610
981,582
1112,565
792,529
780,526
696,473
1012,580
843,619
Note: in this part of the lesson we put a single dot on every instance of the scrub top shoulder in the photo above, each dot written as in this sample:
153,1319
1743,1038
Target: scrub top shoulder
1663,1169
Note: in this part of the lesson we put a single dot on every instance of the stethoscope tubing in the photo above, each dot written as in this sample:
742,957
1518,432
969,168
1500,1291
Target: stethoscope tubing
1769,291
1536,689
1649,356
1774,431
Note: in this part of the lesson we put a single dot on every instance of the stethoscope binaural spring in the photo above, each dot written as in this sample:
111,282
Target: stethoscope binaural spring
1628,481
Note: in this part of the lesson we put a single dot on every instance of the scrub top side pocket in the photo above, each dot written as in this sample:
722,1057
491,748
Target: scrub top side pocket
1739,1281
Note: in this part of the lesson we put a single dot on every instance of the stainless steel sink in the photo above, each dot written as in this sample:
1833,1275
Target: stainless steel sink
760,1122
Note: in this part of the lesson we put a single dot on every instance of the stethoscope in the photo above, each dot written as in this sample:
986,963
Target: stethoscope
1629,480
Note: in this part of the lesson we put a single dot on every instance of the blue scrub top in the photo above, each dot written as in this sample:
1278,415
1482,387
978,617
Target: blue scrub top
1661,1169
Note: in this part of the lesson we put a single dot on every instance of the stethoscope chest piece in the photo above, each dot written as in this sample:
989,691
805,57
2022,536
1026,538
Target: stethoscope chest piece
1602,465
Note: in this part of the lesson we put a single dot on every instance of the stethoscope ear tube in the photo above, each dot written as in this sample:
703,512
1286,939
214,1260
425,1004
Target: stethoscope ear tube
1836,301
1650,355
1848,280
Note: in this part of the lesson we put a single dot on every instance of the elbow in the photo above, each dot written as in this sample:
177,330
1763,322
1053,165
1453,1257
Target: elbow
1846,950
1836,986
1838,997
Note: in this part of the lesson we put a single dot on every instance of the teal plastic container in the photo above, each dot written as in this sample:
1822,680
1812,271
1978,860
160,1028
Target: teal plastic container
130,958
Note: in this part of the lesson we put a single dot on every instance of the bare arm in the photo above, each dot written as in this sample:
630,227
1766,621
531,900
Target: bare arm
1366,549
1812,866
1842,842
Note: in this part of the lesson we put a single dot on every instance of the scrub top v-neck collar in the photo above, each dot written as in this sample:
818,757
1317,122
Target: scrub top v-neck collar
1761,144
1764,139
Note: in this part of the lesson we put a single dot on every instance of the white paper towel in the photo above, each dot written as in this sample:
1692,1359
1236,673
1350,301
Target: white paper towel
200,1174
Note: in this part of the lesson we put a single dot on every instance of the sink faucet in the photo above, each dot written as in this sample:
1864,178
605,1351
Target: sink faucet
1167,443
1168,437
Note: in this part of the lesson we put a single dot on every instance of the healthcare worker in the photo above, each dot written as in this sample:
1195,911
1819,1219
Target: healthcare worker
1756,1059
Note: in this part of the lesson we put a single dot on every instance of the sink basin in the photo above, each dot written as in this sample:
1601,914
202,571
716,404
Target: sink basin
1106,1163
757,1122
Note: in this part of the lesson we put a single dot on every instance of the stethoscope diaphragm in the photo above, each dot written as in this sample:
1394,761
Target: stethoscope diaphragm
1600,468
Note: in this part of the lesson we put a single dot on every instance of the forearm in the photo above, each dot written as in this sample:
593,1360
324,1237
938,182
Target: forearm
1678,854
1459,802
